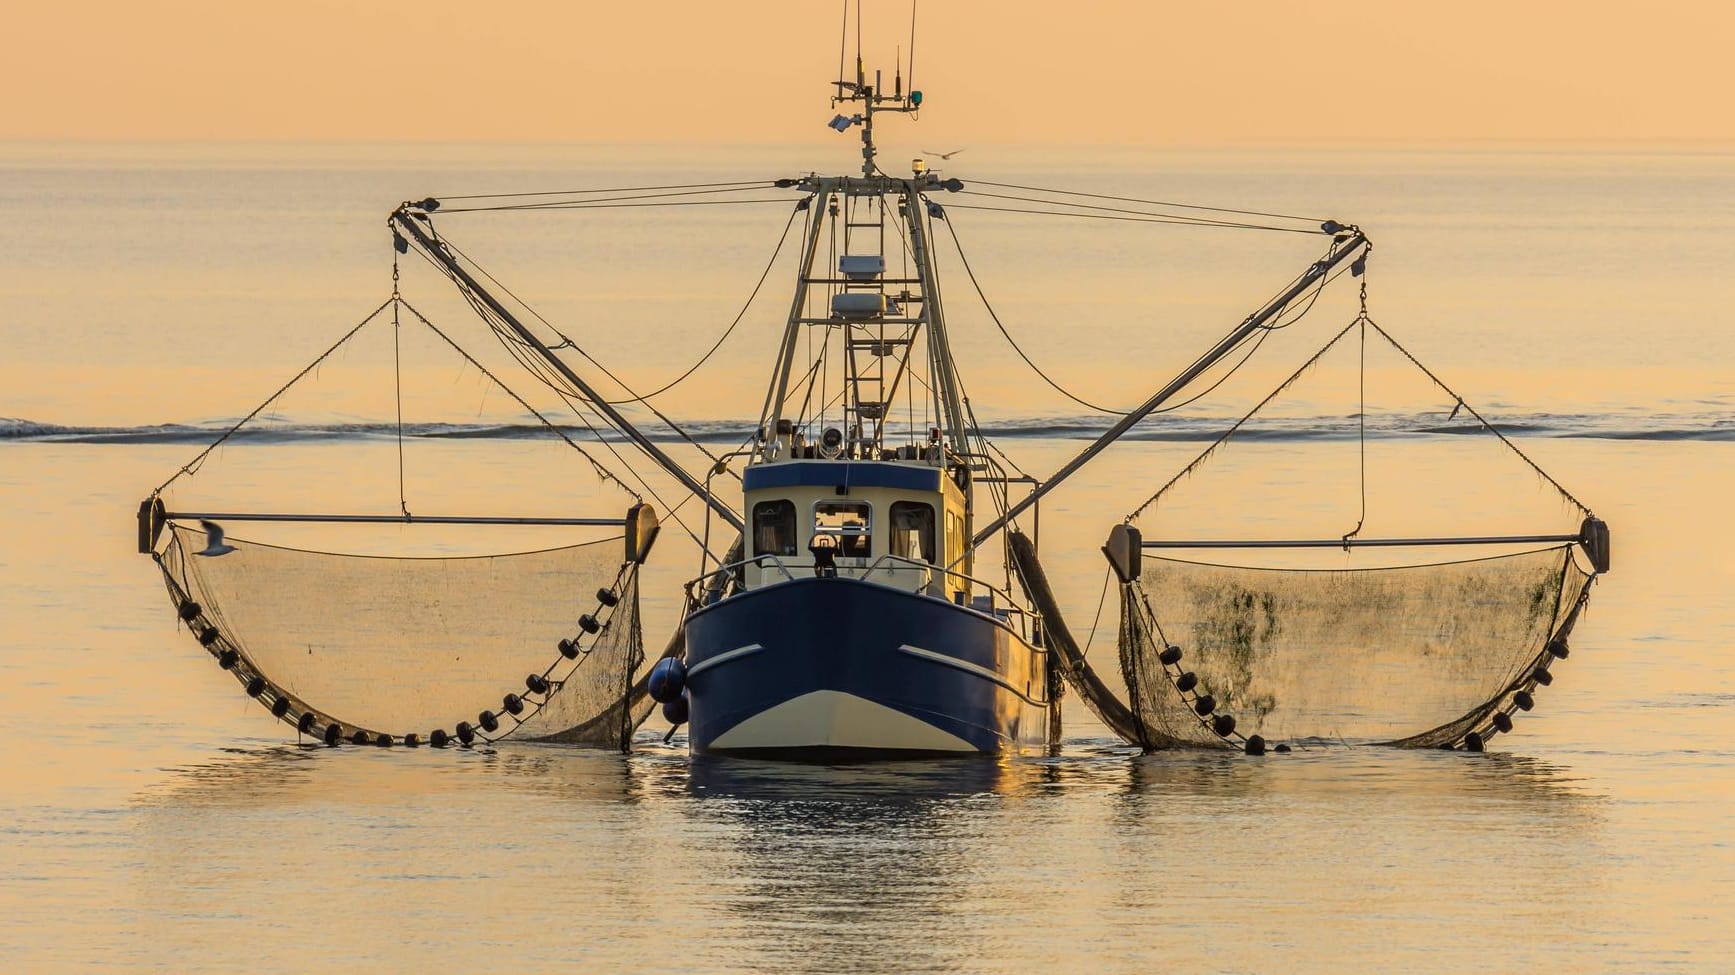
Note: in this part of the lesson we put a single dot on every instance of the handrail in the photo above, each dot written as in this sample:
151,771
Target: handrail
1349,543
701,583
403,519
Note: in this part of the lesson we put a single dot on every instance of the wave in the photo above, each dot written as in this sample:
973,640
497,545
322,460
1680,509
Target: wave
1714,427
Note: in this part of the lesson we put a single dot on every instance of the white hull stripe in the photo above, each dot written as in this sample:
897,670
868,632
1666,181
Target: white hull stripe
969,668
833,718
723,658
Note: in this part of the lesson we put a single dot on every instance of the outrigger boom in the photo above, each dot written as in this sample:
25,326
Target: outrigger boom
403,219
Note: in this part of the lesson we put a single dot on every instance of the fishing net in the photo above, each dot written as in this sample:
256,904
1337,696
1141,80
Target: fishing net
1420,655
1358,646
536,645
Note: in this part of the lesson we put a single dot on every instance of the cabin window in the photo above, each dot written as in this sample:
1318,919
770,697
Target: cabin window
954,540
912,534
846,526
774,528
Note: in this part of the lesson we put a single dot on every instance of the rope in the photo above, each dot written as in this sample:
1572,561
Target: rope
1100,602
601,471
541,370
398,384
968,271
1148,218
1203,221
1155,203
587,205
1580,505
726,332
1361,415
1208,451
542,373
192,466
614,189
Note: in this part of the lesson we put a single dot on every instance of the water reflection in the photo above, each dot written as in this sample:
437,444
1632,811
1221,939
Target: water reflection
275,775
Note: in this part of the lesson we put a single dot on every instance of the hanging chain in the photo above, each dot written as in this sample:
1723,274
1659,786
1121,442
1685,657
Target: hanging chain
398,383
1361,412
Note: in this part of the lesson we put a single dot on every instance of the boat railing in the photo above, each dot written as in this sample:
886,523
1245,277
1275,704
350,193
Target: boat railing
712,586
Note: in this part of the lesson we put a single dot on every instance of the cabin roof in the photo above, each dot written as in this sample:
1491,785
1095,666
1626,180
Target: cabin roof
848,473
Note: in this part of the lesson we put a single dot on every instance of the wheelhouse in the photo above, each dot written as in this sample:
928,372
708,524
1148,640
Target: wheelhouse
903,523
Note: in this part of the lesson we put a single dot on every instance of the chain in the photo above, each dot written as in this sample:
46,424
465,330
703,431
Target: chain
398,383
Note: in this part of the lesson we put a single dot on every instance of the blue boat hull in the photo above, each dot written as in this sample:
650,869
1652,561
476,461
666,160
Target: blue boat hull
840,668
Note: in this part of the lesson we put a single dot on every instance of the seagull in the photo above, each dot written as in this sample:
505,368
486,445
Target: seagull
943,155
214,539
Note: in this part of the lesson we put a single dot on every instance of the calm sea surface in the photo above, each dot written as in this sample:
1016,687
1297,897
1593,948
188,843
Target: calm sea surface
151,818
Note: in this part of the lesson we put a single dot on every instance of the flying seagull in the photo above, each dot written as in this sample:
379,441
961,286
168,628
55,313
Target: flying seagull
214,539
943,155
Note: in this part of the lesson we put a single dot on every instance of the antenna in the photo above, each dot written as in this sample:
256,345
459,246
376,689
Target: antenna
873,97
842,45
912,44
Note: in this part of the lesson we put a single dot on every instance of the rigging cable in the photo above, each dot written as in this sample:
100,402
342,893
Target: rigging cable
662,199
543,374
1491,428
1159,203
192,466
571,399
1100,600
1361,413
726,332
1129,216
398,382
617,206
971,273
601,471
1238,424
612,189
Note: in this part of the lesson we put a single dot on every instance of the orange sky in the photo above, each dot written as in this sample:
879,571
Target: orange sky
1021,71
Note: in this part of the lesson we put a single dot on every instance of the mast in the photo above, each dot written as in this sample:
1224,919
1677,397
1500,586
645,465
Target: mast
939,345
774,397
836,198
1357,243
401,220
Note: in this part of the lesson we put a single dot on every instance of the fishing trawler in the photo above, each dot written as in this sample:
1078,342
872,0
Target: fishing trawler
852,621
881,597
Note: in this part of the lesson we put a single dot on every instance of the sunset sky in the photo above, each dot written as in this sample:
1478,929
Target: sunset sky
1015,71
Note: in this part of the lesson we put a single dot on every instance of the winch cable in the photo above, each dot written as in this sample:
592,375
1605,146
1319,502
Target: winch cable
995,318
192,467
1285,320
608,205
578,200
541,371
606,189
1156,203
1238,424
573,401
781,240
601,471
1128,216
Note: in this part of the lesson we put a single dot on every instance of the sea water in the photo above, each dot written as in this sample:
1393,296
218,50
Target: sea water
154,818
